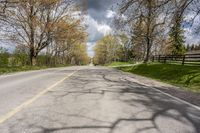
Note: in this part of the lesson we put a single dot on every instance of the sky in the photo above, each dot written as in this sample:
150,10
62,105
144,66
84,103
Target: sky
99,16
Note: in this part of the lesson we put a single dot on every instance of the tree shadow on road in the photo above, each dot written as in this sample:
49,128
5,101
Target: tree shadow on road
113,82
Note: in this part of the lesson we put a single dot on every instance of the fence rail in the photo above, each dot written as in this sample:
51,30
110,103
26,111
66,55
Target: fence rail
184,59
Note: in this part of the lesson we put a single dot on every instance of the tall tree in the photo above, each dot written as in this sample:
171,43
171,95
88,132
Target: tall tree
149,12
177,38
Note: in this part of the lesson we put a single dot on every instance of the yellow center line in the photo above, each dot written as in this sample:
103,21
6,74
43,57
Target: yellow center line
30,101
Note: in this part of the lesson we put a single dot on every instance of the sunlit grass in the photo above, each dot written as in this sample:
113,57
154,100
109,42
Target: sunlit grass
119,63
185,76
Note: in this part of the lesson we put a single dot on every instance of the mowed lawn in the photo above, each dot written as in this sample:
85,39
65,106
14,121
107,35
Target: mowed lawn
185,76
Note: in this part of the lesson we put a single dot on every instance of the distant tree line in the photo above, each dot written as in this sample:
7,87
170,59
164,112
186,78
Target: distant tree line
108,49
20,57
193,47
45,32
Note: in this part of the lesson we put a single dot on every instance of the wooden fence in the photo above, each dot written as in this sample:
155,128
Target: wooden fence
193,59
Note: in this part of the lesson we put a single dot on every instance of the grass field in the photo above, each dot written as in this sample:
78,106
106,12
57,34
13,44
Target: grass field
185,76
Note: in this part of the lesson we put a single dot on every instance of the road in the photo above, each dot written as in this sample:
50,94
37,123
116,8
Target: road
89,99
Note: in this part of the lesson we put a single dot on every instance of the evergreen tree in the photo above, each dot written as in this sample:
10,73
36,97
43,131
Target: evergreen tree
177,38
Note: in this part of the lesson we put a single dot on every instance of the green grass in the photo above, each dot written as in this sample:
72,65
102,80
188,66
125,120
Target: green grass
185,76
119,63
10,69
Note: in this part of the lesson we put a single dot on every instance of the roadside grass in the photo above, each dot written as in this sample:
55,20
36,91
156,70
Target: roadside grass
9,69
119,63
187,77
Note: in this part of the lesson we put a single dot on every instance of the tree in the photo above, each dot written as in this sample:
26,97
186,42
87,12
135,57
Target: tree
100,50
138,40
4,57
20,56
32,23
4,4
148,13
123,40
177,38
69,35
108,49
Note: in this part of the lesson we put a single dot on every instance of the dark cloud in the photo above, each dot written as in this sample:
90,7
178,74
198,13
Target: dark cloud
100,5
100,16
97,9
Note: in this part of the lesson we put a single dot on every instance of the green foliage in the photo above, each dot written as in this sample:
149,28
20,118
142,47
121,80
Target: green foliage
79,54
20,57
19,61
184,76
107,50
177,38
4,57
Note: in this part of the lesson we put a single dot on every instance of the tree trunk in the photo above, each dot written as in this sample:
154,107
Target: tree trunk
34,61
146,60
147,51
148,35
33,57
32,41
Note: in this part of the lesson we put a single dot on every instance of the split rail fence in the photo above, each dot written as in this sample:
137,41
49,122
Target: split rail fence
193,59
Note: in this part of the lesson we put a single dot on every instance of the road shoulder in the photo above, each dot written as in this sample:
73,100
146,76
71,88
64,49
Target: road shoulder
190,97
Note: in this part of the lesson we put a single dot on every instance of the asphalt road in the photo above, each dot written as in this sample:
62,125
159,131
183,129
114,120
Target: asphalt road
89,100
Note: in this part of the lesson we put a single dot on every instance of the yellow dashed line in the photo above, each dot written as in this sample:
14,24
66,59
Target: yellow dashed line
30,101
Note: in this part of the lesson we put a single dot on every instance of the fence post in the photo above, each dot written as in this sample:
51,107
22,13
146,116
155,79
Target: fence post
183,61
159,58
153,59
165,60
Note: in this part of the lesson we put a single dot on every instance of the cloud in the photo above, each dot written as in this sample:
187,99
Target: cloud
110,14
96,30
190,28
104,29
98,21
100,5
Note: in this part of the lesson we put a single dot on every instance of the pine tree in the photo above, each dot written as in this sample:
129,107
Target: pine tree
177,38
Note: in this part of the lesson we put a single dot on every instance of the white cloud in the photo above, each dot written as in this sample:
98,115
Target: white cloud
104,29
96,30
110,14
